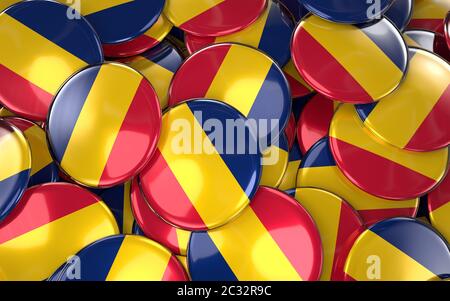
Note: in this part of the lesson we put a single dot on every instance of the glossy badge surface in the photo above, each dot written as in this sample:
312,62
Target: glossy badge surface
117,21
338,223
289,179
258,245
439,208
104,125
15,162
399,249
202,174
299,87
346,62
51,223
41,55
158,65
270,33
213,17
378,167
319,170
142,43
43,168
429,14
428,40
347,11
400,13
275,161
416,115
153,227
242,77
124,258
315,120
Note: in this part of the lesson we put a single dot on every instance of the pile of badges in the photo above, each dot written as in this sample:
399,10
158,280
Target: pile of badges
224,140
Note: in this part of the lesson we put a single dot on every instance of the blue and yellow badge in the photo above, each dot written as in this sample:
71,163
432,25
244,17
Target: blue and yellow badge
398,249
275,162
289,180
122,258
400,13
15,162
104,125
439,208
57,49
199,159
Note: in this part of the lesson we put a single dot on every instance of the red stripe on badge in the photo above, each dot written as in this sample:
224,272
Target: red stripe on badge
131,48
435,25
365,167
28,215
133,139
436,121
13,86
372,216
207,65
174,270
283,230
335,76
297,89
163,182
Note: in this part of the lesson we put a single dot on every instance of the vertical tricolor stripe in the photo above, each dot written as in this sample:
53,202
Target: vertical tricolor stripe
421,124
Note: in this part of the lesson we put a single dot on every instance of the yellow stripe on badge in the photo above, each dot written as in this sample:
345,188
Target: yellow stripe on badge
339,185
430,9
440,219
38,253
387,118
42,63
179,12
12,160
204,168
41,155
275,163
100,132
392,261
240,60
346,37
327,223
88,7
290,176
159,29
128,218
5,3
251,35
183,240
158,76
144,266
292,71
410,42
429,164
266,258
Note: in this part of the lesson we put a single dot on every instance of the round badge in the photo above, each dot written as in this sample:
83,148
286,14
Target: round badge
117,21
50,223
347,11
372,164
158,65
318,169
242,77
415,116
345,62
290,129
123,258
39,57
398,249
104,125
439,207
429,15
339,226
289,179
118,201
43,168
197,142
295,8
259,244
15,162
142,43
428,40
315,120
275,161
400,13
213,18
149,224
299,87
271,33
